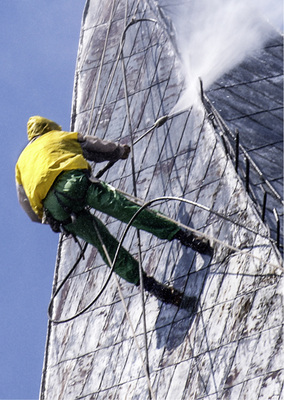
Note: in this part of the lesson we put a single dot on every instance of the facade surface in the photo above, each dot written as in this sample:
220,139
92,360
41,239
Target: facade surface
249,98
128,76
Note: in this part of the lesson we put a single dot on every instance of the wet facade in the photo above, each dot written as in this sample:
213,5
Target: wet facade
127,77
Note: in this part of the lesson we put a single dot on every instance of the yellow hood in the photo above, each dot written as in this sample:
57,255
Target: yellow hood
39,125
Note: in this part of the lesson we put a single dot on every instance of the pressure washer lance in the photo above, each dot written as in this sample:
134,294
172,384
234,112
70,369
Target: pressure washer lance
160,121
157,124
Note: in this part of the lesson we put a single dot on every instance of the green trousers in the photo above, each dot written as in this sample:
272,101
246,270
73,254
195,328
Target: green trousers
72,192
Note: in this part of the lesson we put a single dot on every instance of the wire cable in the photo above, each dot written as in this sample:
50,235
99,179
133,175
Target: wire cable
133,21
210,210
145,363
112,263
130,223
101,66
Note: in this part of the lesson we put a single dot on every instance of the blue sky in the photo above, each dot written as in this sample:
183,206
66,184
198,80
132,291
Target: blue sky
39,42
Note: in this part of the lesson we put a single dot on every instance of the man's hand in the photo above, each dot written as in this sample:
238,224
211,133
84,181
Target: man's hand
126,152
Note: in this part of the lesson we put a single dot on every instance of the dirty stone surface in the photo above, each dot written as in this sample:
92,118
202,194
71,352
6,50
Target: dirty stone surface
231,347
250,99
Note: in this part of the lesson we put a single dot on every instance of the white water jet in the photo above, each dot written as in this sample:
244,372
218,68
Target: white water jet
214,36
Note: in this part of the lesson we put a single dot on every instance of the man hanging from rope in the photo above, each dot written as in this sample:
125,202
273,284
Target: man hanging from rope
54,186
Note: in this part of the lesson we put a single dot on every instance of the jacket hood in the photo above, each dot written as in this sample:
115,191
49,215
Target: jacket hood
39,126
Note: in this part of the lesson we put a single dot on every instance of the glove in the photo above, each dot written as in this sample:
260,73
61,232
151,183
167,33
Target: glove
126,152
53,223
56,226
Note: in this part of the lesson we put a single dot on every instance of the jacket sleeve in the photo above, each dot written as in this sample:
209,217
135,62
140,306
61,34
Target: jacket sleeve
24,202
98,150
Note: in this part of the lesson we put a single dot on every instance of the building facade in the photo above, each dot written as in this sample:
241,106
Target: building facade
129,75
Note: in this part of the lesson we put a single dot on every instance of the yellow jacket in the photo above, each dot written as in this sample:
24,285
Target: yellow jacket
43,160
52,151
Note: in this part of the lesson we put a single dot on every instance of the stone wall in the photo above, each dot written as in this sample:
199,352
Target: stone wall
231,347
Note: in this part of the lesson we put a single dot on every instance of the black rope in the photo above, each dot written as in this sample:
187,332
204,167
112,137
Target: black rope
159,122
57,290
135,194
130,223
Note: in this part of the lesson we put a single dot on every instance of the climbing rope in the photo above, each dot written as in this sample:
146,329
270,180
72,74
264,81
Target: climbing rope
130,131
93,105
101,64
158,123
145,363
97,84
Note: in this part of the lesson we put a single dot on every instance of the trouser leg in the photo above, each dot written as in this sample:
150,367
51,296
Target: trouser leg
106,199
68,195
71,186
84,227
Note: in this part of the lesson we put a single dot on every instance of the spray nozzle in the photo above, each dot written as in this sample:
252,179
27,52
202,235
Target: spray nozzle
161,121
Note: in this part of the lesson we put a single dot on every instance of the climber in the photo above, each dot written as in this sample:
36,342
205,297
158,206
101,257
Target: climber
54,186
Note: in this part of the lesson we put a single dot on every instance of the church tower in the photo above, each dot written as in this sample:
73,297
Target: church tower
213,164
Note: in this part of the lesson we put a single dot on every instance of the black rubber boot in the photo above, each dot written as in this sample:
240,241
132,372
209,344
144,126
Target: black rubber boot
189,303
167,294
197,243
